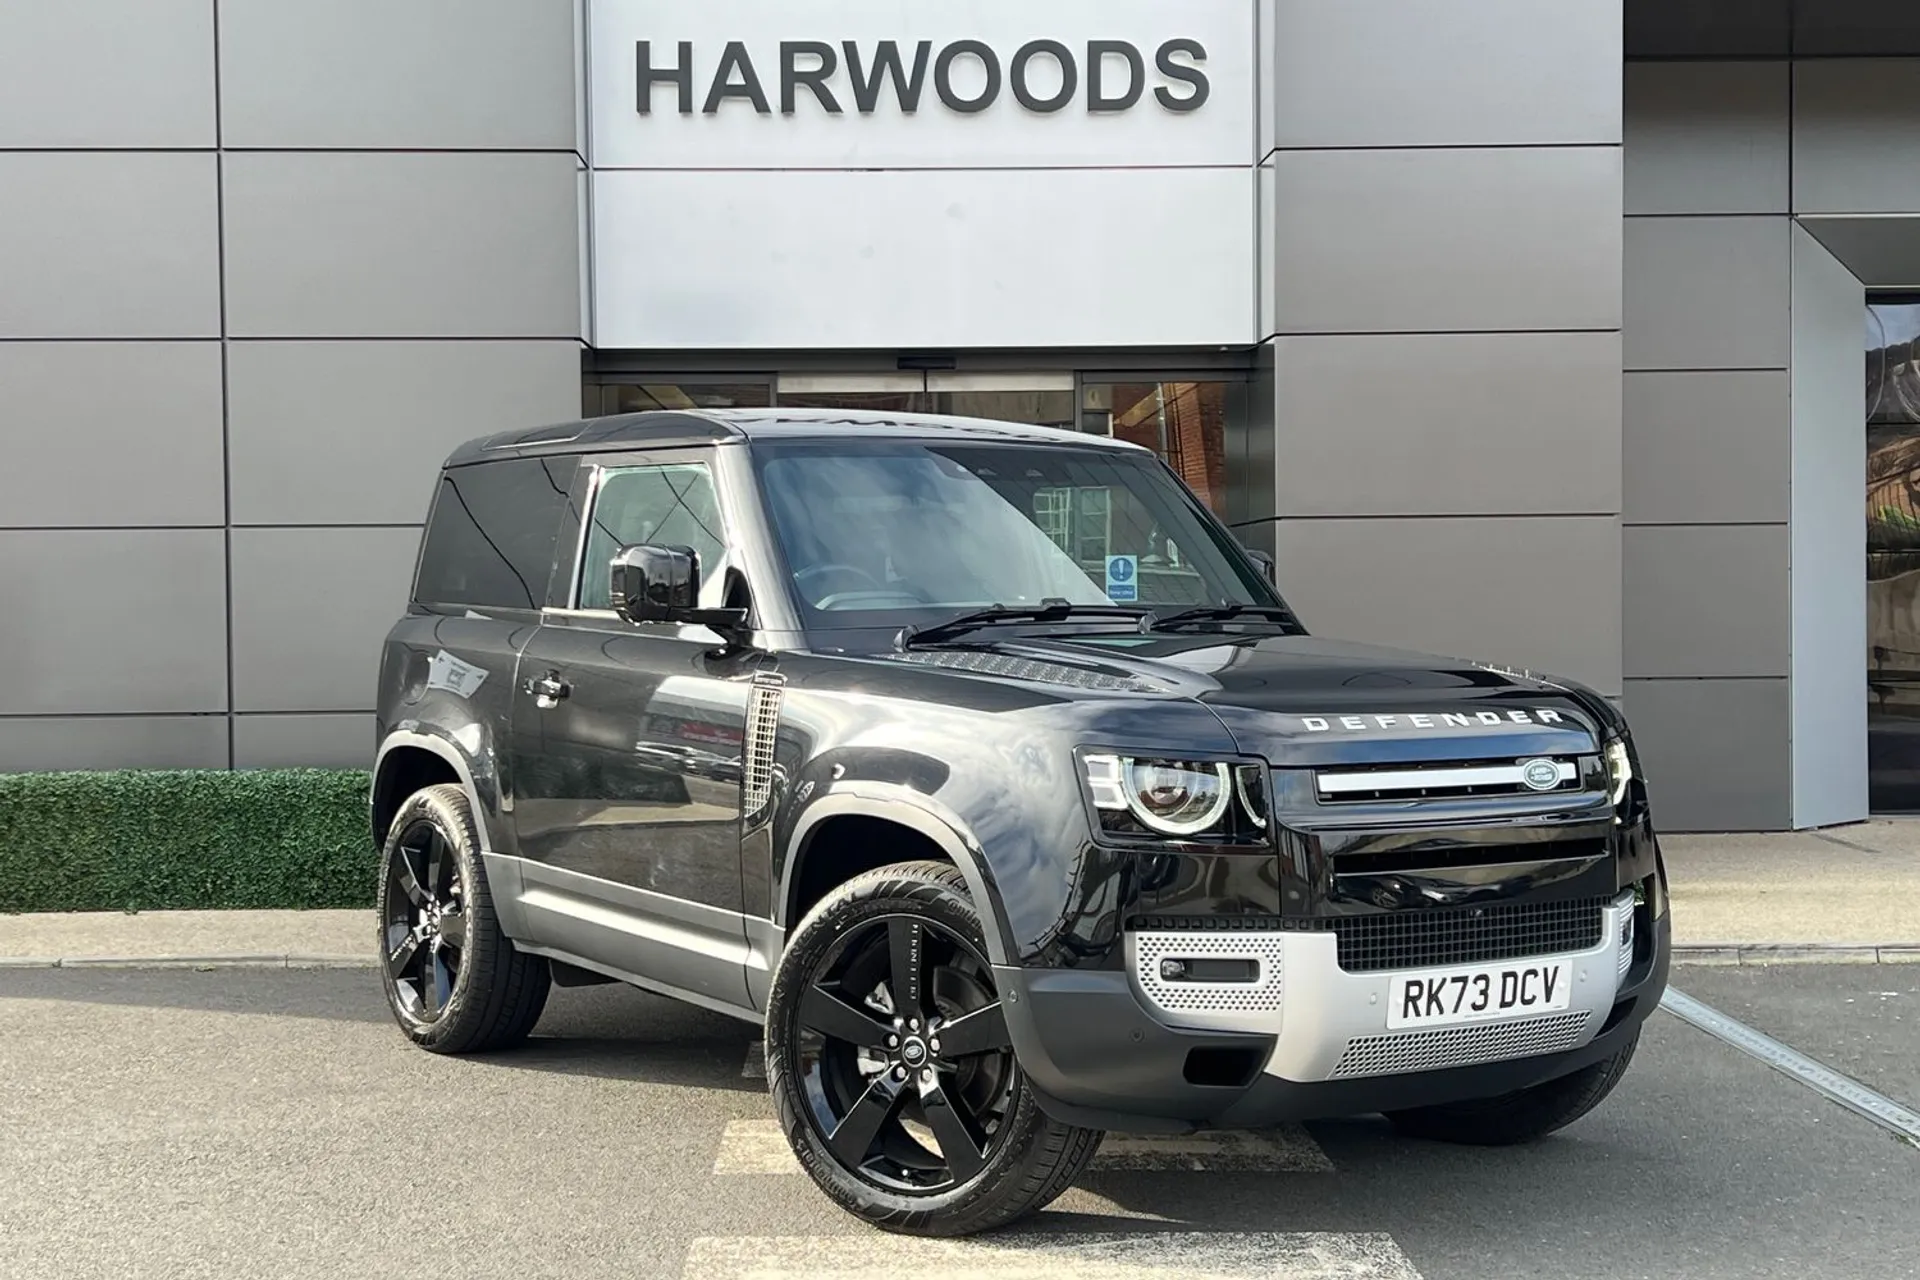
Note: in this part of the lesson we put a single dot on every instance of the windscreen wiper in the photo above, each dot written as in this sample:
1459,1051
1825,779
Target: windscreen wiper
1052,609
1218,613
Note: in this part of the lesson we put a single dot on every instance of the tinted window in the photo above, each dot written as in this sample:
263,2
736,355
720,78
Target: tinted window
670,506
491,538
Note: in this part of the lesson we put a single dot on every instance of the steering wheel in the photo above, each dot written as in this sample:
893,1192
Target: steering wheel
834,566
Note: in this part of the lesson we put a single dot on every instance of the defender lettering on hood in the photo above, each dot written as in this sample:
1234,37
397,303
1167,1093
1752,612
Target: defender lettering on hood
1433,720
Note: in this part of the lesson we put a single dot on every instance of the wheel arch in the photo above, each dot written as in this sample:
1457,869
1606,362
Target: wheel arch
933,832
409,760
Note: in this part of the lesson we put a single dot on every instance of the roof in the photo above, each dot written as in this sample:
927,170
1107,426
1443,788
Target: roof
661,428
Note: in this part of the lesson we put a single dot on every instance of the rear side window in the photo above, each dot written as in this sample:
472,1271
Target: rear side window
491,536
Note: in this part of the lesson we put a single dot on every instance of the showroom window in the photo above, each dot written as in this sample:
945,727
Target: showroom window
1184,421
1893,553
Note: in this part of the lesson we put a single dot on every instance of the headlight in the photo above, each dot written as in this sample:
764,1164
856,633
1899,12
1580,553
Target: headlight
1176,797
1619,769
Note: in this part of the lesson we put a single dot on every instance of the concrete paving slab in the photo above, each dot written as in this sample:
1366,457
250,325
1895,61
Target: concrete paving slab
1857,885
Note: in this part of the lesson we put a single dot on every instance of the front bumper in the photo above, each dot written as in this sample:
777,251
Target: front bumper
1118,1050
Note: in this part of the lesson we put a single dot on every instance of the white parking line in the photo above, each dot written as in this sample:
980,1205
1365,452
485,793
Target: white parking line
1186,1255
758,1146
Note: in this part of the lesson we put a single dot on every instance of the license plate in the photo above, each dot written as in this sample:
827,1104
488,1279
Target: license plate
1439,997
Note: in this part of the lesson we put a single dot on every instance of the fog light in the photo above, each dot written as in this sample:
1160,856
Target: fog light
1172,970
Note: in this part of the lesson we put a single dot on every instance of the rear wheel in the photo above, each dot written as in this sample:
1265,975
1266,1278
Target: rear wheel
1521,1116
891,1068
454,981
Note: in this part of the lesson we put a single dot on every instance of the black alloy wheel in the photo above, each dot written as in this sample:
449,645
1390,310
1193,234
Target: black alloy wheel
892,1068
902,1038
454,981
426,921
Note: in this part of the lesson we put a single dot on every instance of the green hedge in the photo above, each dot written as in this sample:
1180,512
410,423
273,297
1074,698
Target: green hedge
153,840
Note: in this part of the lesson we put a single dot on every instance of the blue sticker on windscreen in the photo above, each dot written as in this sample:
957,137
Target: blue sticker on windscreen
1123,578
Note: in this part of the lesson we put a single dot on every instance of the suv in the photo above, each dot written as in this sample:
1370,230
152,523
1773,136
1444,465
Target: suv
983,769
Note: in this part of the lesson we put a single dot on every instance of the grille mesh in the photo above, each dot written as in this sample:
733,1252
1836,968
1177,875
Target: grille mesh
763,724
1018,668
1459,1046
1419,939
1262,995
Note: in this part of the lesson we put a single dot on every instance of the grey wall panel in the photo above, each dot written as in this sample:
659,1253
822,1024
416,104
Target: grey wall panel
373,74
45,744
1706,293
1856,136
303,742
1444,424
1829,601
402,245
309,609
104,621
353,432
148,456
116,244
1429,72
1448,240
1882,250
1448,585
1706,447
1707,600
106,73
1707,137
1714,752
1855,27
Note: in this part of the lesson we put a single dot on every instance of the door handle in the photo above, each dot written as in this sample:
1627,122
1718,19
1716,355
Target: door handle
547,690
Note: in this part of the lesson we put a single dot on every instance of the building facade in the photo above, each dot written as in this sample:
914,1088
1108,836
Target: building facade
1532,332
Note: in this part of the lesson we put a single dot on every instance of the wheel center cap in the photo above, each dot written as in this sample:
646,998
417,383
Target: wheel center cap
913,1052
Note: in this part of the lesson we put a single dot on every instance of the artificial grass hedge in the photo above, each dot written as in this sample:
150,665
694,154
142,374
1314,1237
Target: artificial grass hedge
153,840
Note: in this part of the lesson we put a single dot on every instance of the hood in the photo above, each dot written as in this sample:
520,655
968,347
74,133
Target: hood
1308,700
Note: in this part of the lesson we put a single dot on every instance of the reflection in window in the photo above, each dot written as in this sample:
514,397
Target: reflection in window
1183,422
636,397
671,506
1893,554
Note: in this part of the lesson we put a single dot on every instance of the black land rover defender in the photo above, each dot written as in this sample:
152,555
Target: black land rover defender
982,768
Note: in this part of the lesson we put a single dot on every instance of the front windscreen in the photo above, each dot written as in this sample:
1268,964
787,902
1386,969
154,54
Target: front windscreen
879,534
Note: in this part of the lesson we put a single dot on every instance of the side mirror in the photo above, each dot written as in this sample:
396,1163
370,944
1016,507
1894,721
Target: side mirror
654,584
1265,562
662,584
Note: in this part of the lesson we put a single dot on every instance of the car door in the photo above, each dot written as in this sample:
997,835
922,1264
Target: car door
627,749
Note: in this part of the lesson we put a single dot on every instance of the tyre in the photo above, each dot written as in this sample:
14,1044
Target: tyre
891,1069
1521,1116
454,981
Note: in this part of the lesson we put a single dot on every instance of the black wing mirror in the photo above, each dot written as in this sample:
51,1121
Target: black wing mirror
662,584
654,584
1265,564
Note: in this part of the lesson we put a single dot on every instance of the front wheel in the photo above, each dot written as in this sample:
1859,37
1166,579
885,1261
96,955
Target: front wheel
454,981
1520,1116
891,1068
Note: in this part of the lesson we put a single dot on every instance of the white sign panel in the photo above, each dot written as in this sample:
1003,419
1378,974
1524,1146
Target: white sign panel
733,84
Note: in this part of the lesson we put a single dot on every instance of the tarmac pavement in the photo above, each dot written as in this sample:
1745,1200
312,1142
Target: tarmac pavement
262,1123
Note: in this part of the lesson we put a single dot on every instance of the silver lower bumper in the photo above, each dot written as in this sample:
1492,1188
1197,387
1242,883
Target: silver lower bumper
1332,1025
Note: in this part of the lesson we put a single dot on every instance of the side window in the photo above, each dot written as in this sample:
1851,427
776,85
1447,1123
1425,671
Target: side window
491,537
669,505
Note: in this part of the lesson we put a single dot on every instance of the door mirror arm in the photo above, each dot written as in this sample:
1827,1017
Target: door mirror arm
661,584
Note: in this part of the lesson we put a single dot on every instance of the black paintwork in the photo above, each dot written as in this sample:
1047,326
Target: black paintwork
634,776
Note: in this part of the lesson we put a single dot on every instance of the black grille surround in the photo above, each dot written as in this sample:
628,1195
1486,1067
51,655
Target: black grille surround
1429,937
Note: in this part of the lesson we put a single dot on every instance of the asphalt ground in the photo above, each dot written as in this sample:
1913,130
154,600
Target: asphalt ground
274,1123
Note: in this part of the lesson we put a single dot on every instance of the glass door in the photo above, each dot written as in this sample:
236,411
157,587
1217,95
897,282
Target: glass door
1893,554
1189,422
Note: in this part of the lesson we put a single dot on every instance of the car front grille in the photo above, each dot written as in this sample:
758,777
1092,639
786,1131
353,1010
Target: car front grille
1421,939
1459,1046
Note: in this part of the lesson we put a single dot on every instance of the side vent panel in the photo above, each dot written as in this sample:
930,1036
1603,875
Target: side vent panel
763,726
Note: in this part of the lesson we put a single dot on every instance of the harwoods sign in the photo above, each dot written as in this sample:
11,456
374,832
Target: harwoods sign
965,76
